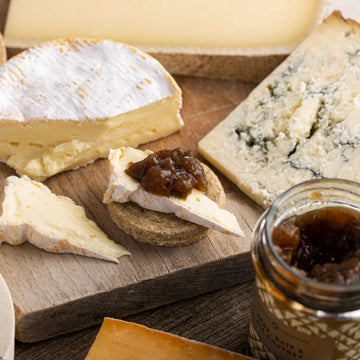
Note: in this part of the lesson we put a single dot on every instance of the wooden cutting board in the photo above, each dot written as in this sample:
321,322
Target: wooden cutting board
55,294
59,293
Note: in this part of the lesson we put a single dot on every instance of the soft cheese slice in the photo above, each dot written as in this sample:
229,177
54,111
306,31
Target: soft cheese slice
30,211
65,103
302,122
7,322
120,340
196,208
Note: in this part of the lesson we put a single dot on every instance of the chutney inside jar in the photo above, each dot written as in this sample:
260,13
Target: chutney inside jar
323,244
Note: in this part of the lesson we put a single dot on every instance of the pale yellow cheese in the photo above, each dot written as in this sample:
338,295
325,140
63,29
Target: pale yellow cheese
31,212
65,103
212,24
120,340
7,323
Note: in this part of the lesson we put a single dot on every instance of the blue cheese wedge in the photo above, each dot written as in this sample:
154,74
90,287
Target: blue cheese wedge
302,122
65,103
30,211
196,208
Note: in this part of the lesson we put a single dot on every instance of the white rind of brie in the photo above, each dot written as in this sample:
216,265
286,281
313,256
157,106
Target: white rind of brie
7,322
65,103
196,208
30,211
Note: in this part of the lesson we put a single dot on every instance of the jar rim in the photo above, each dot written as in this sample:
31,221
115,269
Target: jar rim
295,285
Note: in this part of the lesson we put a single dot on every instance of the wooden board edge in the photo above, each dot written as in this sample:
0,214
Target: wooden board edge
135,298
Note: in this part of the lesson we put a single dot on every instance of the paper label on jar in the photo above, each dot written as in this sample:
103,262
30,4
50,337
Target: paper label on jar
285,342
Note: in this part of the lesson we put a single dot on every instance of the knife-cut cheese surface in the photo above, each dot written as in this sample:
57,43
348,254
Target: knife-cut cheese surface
65,103
7,322
302,122
197,207
120,340
30,211
186,23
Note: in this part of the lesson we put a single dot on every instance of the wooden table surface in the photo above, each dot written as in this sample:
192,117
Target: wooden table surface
219,318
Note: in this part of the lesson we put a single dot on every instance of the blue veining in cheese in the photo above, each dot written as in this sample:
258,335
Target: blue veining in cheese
302,122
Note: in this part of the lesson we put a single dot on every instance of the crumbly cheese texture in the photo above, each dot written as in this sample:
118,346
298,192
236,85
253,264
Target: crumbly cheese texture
7,321
122,340
197,207
65,103
302,122
31,212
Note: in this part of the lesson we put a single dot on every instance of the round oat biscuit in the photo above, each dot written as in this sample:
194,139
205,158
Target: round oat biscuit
160,228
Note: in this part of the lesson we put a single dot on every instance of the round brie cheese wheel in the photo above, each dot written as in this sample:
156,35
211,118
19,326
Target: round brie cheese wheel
7,321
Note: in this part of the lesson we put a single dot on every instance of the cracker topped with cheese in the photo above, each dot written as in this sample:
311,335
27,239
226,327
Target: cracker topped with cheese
159,219
65,103
302,122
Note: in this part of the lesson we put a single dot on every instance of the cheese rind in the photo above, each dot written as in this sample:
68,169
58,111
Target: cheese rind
31,212
123,340
197,207
300,123
7,321
65,103
222,40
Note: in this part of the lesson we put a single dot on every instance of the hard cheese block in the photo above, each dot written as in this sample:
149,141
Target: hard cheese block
7,323
186,23
197,207
119,340
217,39
65,103
302,122
30,211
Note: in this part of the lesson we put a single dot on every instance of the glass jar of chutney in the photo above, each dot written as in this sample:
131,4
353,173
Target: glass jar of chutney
307,294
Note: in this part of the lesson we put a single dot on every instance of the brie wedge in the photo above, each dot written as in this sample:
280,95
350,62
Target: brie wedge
7,322
65,103
196,208
30,211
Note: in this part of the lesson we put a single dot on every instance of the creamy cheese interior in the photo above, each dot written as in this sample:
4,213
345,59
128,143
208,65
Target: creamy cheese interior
186,23
30,211
197,207
66,103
